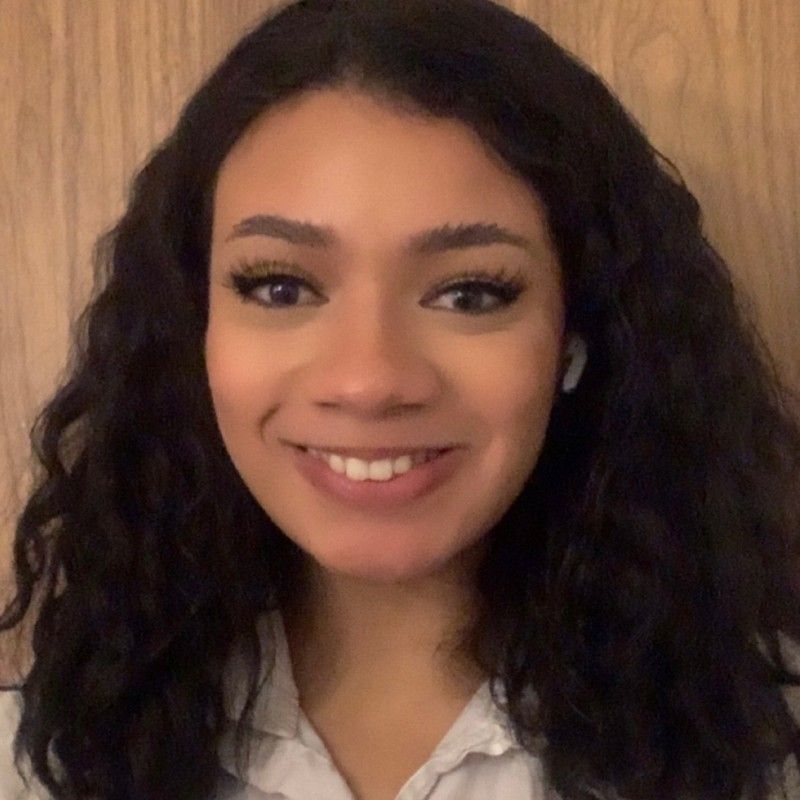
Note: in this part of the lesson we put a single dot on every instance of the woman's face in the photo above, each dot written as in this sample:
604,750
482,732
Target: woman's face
372,346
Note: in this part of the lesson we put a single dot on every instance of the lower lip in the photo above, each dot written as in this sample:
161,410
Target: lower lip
379,495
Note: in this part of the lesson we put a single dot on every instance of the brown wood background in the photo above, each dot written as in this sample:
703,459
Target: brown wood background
88,87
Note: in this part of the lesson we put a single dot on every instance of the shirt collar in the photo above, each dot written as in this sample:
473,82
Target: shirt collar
277,706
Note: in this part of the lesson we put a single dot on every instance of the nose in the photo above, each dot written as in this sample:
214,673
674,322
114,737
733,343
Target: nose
375,360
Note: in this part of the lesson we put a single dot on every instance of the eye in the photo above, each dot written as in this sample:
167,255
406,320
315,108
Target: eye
282,283
279,285
470,286
281,290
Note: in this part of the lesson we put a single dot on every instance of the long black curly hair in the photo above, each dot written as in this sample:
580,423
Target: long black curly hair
642,583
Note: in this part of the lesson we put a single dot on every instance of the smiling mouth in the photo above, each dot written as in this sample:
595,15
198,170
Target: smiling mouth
383,485
377,453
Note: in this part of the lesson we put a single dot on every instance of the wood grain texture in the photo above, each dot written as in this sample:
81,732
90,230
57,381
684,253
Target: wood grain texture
88,87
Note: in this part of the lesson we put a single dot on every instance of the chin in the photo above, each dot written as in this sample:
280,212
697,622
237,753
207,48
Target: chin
384,568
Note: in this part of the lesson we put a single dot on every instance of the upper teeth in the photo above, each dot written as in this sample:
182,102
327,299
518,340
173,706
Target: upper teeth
359,470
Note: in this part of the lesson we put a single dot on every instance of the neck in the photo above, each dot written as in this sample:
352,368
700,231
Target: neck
348,634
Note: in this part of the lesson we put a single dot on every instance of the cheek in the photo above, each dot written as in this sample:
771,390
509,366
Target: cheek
236,373
516,394
516,383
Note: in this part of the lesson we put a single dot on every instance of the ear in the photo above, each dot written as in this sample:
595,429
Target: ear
573,362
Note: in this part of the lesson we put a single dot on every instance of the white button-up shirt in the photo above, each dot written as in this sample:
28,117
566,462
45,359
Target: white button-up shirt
477,759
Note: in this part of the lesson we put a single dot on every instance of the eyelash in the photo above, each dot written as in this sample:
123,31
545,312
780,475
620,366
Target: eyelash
247,276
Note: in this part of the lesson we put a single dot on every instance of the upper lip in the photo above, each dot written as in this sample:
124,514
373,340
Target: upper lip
374,453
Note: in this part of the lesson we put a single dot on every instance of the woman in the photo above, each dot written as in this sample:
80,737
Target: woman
416,441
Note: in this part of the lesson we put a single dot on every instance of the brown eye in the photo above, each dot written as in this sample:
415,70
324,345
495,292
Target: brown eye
280,290
279,285
502,289
468,296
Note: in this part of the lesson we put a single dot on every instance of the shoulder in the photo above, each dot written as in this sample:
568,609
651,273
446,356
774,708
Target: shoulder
12,787
790,648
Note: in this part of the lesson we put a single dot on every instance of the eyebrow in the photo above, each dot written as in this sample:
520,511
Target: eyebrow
428,242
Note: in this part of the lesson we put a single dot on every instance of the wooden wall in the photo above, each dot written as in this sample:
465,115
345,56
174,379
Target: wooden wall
88,87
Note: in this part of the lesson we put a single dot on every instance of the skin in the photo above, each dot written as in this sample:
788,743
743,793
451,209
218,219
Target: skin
377,365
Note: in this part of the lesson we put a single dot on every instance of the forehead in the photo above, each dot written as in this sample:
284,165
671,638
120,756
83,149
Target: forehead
363,165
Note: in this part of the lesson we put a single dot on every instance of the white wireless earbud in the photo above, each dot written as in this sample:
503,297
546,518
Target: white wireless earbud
576,354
